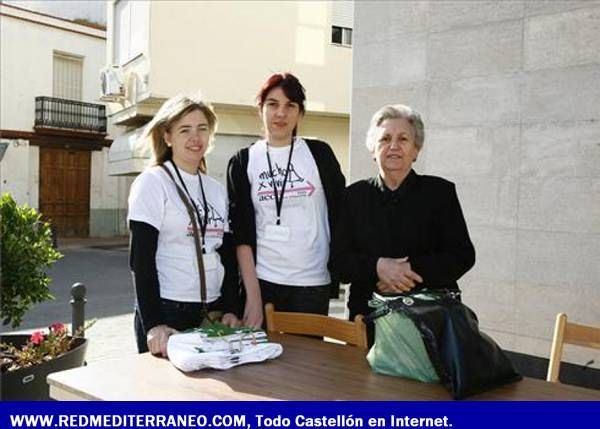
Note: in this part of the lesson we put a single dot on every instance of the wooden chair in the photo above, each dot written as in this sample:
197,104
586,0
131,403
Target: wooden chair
570,333
354,333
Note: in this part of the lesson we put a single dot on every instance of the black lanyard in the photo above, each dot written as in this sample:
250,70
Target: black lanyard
279,198
203,222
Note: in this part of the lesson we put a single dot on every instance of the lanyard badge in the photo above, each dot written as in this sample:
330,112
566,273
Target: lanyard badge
278,232
202,221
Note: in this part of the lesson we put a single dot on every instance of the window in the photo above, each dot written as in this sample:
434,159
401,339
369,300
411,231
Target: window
341,35
342,18
130,30
67,76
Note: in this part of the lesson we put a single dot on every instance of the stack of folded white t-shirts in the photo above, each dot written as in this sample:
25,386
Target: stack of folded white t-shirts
204,348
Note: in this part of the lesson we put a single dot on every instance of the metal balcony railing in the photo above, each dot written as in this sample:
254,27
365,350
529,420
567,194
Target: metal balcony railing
69,114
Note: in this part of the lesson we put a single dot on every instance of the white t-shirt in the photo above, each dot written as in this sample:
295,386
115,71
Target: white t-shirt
302,260
153,199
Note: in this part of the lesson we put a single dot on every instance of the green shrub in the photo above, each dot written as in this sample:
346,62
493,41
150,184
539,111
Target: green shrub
26,253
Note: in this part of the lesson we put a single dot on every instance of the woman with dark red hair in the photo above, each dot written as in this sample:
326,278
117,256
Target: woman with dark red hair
284,193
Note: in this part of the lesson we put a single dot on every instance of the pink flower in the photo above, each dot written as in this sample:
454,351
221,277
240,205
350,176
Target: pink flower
37,338
57,328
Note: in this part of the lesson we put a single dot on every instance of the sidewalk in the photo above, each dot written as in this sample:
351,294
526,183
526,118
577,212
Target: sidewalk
112,335
93,242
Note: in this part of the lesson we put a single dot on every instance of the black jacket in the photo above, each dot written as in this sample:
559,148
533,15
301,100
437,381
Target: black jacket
422,219
241,210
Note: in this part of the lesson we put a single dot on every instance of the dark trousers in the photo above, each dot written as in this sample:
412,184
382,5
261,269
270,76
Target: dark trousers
296,299
177,315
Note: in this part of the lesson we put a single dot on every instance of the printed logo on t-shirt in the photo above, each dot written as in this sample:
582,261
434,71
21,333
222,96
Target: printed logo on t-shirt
295,187
216,222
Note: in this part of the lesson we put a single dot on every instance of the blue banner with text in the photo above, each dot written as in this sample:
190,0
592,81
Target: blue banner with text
294,414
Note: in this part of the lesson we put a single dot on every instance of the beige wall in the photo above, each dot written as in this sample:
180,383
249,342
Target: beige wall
226,49
212,47
332,129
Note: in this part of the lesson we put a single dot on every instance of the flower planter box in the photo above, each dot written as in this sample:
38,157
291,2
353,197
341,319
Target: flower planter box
30,383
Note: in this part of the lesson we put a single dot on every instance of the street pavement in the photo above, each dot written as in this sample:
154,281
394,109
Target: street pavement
102,266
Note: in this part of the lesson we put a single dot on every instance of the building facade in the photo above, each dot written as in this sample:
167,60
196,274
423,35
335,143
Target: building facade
52,127
226,50
509,95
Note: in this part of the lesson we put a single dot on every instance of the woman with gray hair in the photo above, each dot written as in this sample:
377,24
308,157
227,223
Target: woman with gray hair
399,230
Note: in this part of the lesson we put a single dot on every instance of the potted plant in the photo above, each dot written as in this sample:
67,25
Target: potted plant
25,253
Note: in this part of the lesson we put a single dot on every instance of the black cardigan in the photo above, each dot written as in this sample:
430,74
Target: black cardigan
422,219
241,210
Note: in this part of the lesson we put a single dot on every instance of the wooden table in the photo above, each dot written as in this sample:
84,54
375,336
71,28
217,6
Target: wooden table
307,369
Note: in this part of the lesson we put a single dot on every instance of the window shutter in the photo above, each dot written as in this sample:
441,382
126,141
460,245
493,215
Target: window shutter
67,76
342,14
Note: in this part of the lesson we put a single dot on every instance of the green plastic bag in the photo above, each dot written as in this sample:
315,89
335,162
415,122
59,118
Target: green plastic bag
398,349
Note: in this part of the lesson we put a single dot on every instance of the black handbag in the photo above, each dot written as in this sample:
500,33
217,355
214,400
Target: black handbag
466,360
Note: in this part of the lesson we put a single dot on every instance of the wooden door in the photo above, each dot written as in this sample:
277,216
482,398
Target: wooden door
65,190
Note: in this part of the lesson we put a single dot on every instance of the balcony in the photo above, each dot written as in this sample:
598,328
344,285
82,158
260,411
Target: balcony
58,113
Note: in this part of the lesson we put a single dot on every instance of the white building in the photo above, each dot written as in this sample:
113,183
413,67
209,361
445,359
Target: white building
226,49
52,125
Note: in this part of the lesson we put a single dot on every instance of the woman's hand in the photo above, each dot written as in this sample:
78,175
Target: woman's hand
253,311
231,320
396,275
157,338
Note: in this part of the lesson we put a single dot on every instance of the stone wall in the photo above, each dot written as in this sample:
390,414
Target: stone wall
510,96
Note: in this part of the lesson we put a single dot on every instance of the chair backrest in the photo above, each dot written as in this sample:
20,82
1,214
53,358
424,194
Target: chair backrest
354,333
569,333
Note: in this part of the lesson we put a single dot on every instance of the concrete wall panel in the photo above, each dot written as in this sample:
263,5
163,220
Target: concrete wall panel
372,69
492,302
475,51
473,151
476,101
560,204
511,115
460,14
562,40
489,201
560,259
546,7
496,255
403,64
407,60
565,149
536,307
407,17
562,94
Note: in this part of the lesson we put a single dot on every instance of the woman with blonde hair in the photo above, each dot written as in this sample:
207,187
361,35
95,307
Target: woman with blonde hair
166,241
